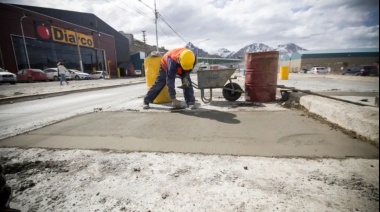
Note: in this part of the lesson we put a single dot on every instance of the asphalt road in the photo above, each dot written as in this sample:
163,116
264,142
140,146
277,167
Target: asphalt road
24,116
332,83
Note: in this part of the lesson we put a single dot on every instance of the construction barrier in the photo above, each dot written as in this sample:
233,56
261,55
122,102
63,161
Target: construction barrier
152,65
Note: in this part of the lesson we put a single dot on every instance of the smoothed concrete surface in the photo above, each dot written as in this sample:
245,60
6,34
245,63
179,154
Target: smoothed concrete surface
331,85
272,134
363,120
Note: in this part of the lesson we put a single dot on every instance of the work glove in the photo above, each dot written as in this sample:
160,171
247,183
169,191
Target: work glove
185,82
176,103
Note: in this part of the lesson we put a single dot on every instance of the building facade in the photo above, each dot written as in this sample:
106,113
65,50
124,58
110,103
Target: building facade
34,37
335,60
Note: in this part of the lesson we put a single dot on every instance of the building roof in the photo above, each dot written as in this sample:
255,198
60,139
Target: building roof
330,53
337,51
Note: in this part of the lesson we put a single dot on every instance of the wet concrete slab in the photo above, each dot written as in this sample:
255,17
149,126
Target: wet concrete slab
271,134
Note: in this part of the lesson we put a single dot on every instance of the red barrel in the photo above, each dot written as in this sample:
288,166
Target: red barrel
260,71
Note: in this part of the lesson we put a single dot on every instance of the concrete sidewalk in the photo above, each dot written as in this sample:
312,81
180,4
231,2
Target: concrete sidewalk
361,120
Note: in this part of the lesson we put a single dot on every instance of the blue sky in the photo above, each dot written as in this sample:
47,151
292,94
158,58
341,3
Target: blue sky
233,24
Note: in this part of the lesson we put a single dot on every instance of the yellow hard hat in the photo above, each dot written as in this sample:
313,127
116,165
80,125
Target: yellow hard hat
187,59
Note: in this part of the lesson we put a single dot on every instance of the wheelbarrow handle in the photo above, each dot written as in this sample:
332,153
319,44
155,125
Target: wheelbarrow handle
192,85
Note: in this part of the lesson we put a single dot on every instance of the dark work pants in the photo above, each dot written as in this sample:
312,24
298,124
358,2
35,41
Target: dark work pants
160,83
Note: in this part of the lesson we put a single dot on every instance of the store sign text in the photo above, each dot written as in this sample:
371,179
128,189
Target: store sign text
68,36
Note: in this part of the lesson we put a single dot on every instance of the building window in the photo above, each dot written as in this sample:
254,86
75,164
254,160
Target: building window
44,55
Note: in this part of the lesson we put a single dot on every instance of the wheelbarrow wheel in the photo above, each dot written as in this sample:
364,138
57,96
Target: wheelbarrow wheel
232,95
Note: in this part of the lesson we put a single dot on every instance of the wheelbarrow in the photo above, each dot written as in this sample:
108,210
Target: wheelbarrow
210,79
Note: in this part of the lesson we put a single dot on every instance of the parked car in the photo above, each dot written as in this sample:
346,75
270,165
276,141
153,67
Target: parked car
318,70
138,72
52,74
302,71
7,77
99,75
361,70
31,75
78,75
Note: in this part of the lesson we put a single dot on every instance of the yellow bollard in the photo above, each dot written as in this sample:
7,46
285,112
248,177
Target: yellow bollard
118,72
152,65
284,73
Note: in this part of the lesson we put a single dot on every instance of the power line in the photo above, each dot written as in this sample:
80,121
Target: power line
146,5
162,30
157,16
138,12
167,21
172,28
135,9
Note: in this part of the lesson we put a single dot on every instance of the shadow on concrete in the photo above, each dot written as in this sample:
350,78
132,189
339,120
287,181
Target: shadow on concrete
220,116
235,104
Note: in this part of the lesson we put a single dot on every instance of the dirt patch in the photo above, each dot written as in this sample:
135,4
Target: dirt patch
354,183
24,170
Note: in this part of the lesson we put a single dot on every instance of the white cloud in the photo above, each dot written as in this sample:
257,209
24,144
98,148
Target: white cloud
232,24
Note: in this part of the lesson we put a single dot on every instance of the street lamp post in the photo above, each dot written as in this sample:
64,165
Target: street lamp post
79,53
23,37
198,47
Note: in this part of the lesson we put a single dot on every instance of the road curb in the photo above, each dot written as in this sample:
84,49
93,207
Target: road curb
21,98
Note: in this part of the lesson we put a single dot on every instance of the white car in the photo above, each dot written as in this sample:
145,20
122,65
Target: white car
138,72
7,77
52,74
318,70
99,75
78,75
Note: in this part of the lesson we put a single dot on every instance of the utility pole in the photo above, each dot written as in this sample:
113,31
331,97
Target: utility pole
23,37
144,40
156,18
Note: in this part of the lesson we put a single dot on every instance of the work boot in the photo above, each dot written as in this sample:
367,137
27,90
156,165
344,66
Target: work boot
192,107
146,106
177,104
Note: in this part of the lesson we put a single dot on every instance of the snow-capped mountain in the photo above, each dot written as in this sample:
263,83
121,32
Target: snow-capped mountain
255,47
199,52
289,48
223,52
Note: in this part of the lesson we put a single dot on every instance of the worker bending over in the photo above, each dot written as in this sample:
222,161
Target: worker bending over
179,61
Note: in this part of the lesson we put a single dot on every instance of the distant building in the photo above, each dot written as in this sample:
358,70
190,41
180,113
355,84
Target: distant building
51,36
129,36
333,59
137,63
